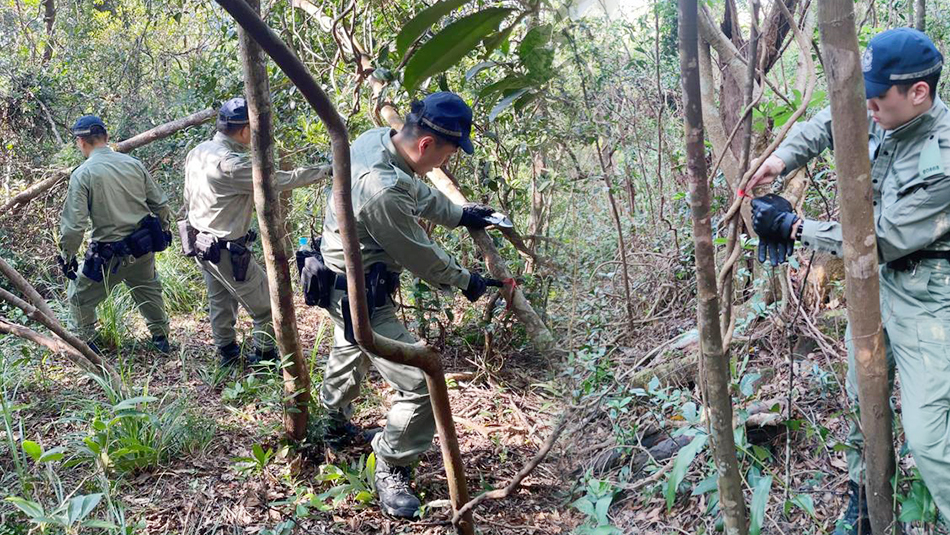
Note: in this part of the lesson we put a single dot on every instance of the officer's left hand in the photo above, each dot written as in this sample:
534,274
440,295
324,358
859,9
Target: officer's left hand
777,251
70,268
773,218
475,215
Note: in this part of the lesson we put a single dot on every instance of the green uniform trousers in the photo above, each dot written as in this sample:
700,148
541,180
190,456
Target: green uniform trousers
915,309
139,274
224,295
409,424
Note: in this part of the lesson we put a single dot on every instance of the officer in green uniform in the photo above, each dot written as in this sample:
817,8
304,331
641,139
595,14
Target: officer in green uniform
909,144
115,193
219,194
388,201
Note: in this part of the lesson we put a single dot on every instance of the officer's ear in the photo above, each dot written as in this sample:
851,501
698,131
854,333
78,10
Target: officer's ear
919,93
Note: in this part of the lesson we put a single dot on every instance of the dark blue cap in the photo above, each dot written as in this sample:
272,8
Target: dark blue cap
88,125
446,114
898,56
234,111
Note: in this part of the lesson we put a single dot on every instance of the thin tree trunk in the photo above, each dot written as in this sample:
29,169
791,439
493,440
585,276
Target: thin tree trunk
418,355
267,202
920,15
49,18
715,358
839,45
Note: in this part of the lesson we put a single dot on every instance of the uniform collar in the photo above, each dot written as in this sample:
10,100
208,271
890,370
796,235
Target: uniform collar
394,154
230,143
921,123
100,150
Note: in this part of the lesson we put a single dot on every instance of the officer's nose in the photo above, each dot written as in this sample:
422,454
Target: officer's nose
872,104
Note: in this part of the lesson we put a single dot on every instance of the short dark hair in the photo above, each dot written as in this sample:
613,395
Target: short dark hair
931,80
96,135
228,129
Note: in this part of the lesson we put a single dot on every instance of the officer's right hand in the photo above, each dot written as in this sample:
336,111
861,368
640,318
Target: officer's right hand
477,286
475,215
773,219
770,169
69,268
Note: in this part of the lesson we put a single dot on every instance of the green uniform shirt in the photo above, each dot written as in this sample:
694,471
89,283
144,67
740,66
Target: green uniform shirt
219,189
115,192
388,201
911,189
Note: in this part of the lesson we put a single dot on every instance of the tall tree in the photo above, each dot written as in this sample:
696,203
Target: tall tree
920,15
267,202
715,356
839,44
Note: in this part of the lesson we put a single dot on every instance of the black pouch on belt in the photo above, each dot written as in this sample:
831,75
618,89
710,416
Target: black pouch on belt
240,260
208,248
161,238
140,242
316,279
187,234
347,320
97,257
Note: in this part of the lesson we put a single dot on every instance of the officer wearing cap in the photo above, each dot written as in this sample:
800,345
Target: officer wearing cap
909,146
114,192
388,201
219,195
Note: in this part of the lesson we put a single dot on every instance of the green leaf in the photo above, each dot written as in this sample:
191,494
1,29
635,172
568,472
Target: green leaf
31,509
524,101
538,36
492,42
805,502
52,455
81,506
473,72
450,45
422,22
683,459
601,508
131,403
364,496
505,102
99,524
710,484
747,384
34,450
513,81
540,65
760,498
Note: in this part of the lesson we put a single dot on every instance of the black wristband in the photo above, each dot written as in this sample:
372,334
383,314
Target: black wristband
798,231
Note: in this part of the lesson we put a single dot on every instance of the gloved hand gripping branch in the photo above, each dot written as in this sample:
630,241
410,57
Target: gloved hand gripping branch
475,215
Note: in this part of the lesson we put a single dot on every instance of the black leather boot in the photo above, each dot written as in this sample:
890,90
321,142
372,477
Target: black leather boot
856,519
160,343
395,493
230,354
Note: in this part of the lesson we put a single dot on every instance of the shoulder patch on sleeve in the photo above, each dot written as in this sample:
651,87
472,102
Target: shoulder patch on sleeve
931,160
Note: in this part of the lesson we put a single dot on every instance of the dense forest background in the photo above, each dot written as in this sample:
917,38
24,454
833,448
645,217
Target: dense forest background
579,137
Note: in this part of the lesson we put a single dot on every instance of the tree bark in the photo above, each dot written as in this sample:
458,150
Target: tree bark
267,202
839,45
418,355
159,132
920,15
49,17
715,357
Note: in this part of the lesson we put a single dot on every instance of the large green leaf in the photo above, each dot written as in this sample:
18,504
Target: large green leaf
450,45
760,498
683,459
512,81
537,36
32,509
422,22
505,102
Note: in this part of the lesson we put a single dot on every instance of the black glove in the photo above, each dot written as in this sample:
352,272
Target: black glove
475,215
477,286
69,269
773,219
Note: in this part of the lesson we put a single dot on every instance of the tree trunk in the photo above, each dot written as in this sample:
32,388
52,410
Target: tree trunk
715,358
49,18
920,15
267,202
418,355
839,45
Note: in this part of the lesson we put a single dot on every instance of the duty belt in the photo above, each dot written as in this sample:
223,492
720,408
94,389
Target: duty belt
909,262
